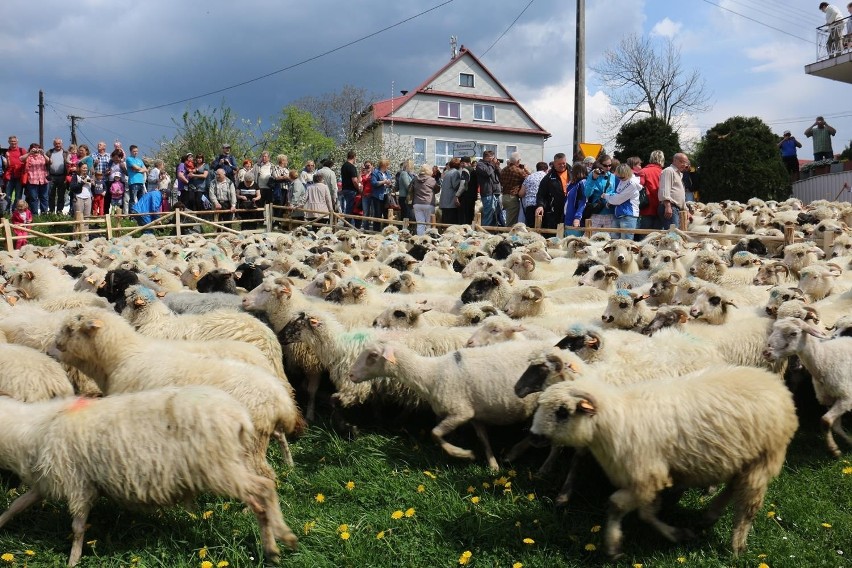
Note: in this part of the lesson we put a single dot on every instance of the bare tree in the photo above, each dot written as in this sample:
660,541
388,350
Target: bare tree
340,115
645,78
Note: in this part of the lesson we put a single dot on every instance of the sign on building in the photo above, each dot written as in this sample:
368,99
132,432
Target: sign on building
464,149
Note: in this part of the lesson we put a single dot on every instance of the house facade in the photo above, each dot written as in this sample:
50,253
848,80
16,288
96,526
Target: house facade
460,110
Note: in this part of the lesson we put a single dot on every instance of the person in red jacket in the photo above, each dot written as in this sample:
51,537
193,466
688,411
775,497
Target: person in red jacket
649,177
14,171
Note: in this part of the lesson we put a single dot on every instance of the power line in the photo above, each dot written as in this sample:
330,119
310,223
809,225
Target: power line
773,13
118,117
509,28
758,22
288,68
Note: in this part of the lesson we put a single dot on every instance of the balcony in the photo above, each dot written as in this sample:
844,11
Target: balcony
834,52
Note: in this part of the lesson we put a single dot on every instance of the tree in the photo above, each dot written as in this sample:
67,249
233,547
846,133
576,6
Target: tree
645,77
739,159
643,136
342,116
295,133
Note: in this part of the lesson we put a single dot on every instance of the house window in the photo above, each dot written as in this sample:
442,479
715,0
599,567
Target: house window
510,150
465,79
419,151
483,112
443,152
447,109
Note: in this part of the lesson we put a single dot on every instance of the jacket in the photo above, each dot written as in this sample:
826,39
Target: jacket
449,186
625,198
488,177
318,198
376,179
551,198
575,203
595,188
424,188
649,178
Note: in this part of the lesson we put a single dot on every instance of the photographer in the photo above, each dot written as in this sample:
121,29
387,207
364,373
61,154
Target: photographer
601,181
81,190
788,145
821,132
35,174
14,170
511,178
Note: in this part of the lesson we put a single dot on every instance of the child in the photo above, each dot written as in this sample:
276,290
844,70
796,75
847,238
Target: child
116,192
98,191
21,216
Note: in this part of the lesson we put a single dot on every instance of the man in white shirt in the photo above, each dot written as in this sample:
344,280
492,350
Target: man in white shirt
833,26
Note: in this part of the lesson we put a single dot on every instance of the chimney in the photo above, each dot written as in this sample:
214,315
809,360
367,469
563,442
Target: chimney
403,93
453,47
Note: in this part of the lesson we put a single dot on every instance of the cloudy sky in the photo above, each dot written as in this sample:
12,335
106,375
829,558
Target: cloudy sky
103,57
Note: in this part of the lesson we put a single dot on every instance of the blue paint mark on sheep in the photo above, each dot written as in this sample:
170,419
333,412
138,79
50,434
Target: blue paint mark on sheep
622,292
146,293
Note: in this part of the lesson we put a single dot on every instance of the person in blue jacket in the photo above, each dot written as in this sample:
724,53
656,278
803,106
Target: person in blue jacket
600,181
575,200
626,200
150,204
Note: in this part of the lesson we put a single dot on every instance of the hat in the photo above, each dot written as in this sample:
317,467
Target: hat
226,145
786,132
116,176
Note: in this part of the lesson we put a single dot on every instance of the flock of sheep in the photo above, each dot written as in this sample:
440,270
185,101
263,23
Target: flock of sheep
663,359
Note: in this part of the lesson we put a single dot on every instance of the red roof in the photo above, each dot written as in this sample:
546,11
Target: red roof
383,109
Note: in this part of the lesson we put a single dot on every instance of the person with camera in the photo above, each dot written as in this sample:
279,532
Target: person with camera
81,190
488,178
35,172
788,145
625,199
550,198
821,132
14,170
57,158
600,182
227,162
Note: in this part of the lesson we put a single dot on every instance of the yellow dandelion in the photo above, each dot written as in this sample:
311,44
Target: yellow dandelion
421,488
350,485
637,565
530,496
320,498
826,525
380,535
763,565
92,543
471,489
309,526
429,474
761,556
222,564
396,515
474,499
517,565
409,512
206,564
7,557
486,485
528,540
202,554
596,528
591,547
193,516
500,481
343,528
681,559
206,515
135,560
847,471
508,485
32,553
770,515
512,473
344,535
465,557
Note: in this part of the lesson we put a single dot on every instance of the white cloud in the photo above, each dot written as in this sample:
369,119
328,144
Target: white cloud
666,28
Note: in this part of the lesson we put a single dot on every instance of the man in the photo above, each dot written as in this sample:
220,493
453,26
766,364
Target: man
149,204
672,193
529,191
101,160
788,145
847,39
488,177
511,178
330,179
56,158
550,198
136,173
14,172
351,183
821,132
226,161
833,25
223,196
468,197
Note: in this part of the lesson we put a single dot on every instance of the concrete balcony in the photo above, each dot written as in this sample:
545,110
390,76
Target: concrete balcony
834,52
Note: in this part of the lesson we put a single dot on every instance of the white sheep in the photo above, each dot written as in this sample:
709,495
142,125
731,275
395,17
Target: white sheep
622,255
105,347
842,327
500,328
830,366
77,450
722,425
470,385
817,280
799,255
626,309
29,375
773,274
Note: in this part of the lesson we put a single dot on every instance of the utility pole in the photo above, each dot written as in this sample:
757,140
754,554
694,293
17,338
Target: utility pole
580,79
41,118
74,120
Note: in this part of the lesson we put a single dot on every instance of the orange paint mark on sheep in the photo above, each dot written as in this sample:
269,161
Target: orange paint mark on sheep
80,404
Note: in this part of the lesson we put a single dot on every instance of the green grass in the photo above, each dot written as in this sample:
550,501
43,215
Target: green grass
387,470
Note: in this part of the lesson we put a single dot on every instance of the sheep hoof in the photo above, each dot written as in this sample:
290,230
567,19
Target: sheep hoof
562,500
681,534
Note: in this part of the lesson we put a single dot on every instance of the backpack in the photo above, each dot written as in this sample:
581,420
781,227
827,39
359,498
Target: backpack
643,198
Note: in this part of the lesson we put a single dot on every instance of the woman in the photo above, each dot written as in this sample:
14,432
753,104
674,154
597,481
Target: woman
223,196
381,180
241,173
450,186
297,195
599,182
318,203
35,172
81,190
182,175
280,180
248,197
367,192
575,200
403,182
198,180
263,178
84,156
424,188
649,178
626,200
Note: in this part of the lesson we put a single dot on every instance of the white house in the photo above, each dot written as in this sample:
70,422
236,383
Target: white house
464,103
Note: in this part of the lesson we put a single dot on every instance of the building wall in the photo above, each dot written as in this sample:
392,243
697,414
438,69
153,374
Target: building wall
423,106
531,147
824,186
483,85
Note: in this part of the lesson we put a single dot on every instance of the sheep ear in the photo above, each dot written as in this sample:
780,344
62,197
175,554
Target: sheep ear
728,303
640,297
587,406
28,274
575,368
683,317
610,273
92,326
388,354
811,330
160,294
674,277
383,278
359,291
314,322
635,249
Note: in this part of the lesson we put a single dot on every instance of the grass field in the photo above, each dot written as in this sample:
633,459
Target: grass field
445,508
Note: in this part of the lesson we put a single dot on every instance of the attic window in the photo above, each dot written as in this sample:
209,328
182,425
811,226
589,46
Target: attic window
466,80
447,109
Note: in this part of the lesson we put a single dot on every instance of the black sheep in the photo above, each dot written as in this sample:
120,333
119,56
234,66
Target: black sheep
753,245
584,266
502,251
74,271
217,280
418,251
479,288
249,275
116,284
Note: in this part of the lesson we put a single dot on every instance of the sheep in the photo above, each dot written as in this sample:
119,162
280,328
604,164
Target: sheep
479,264
710,267
780,294
773,274
664,285
842,246
745,259
521,264
54,290
322,284
470,385
404,283
29,375
797,309
499,329
828,362
817,280
621,255
722,425
485,286
799,255
625,309
167,281
218,280
76,450
90,280
842,327
105,347
197,303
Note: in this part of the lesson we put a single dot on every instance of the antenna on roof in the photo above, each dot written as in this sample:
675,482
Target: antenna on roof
454,46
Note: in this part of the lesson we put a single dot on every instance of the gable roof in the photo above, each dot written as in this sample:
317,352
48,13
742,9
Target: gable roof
383,110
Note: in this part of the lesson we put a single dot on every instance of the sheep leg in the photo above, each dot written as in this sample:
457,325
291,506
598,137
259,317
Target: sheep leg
838,429
482,433
547,467
285,447
621,502
78,528
748,492
838,409
261,498
313,382
518,450
446,426
564,494
717,506
648,513
19,505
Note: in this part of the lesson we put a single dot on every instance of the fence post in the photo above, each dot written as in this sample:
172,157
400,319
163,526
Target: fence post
538,220
267,217
391,215
177,222
433,219
588,232
405,223
560,230
78,225
684,220
108,222
789,234
7,231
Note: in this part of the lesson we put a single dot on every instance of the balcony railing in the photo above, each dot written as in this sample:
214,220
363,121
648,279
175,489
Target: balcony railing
834,39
